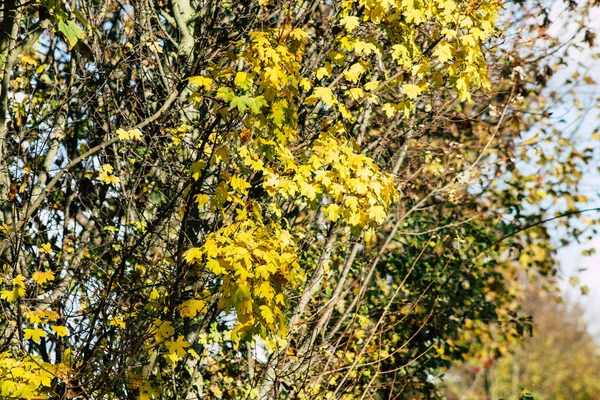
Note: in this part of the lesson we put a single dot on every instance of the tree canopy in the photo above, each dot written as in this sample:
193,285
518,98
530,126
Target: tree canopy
271,199
560,361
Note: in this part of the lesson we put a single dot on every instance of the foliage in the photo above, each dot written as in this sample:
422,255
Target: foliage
269,199
560,360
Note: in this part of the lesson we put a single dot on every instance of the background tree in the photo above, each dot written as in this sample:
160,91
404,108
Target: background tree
271,199
560,360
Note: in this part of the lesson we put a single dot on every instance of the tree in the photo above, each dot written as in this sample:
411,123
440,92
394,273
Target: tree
267,199
560,360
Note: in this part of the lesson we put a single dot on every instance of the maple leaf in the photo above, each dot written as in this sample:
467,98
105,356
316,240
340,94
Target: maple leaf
196,168
332,211
365,48
211,249
60,330
354,72
351,202
10,295
243,80
305,84
135,134
412,91
106,177
322,72
267,314
356,93
443,52
193,254
34,334
463,89
46,248
117,321
350,22
43,277
178,347
265,291
372,85
256,104
239,184
278,112
389,109
163,330
19,281
377,214
215,266
123,134
201,81
214,388
325,95
191,308
202,199
239,102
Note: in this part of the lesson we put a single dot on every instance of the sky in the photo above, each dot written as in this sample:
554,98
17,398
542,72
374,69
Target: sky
586,269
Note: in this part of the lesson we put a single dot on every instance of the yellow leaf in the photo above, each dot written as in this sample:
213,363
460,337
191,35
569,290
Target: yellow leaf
305,84
43,277
239,184
19,281
27,59
135,134
191,308
267,314
34,334
46,248
215,389
350,22
389,109
322,72
265,291
240,78
325,95
106,177
589,80
123,134
117,321
412,91
202,199
214,266
354,72
60,330
462,86
163,330
356,93
364,48
154,294
378,214
308,190
196,169
177,347
346,114
332,211
443,52
11,295
201,81
194,354
193,254
372,85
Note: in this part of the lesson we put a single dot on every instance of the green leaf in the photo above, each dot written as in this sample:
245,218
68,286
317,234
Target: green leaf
241,103
72,32
256,104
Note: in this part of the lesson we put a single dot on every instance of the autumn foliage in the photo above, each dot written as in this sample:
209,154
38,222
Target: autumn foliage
269,199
